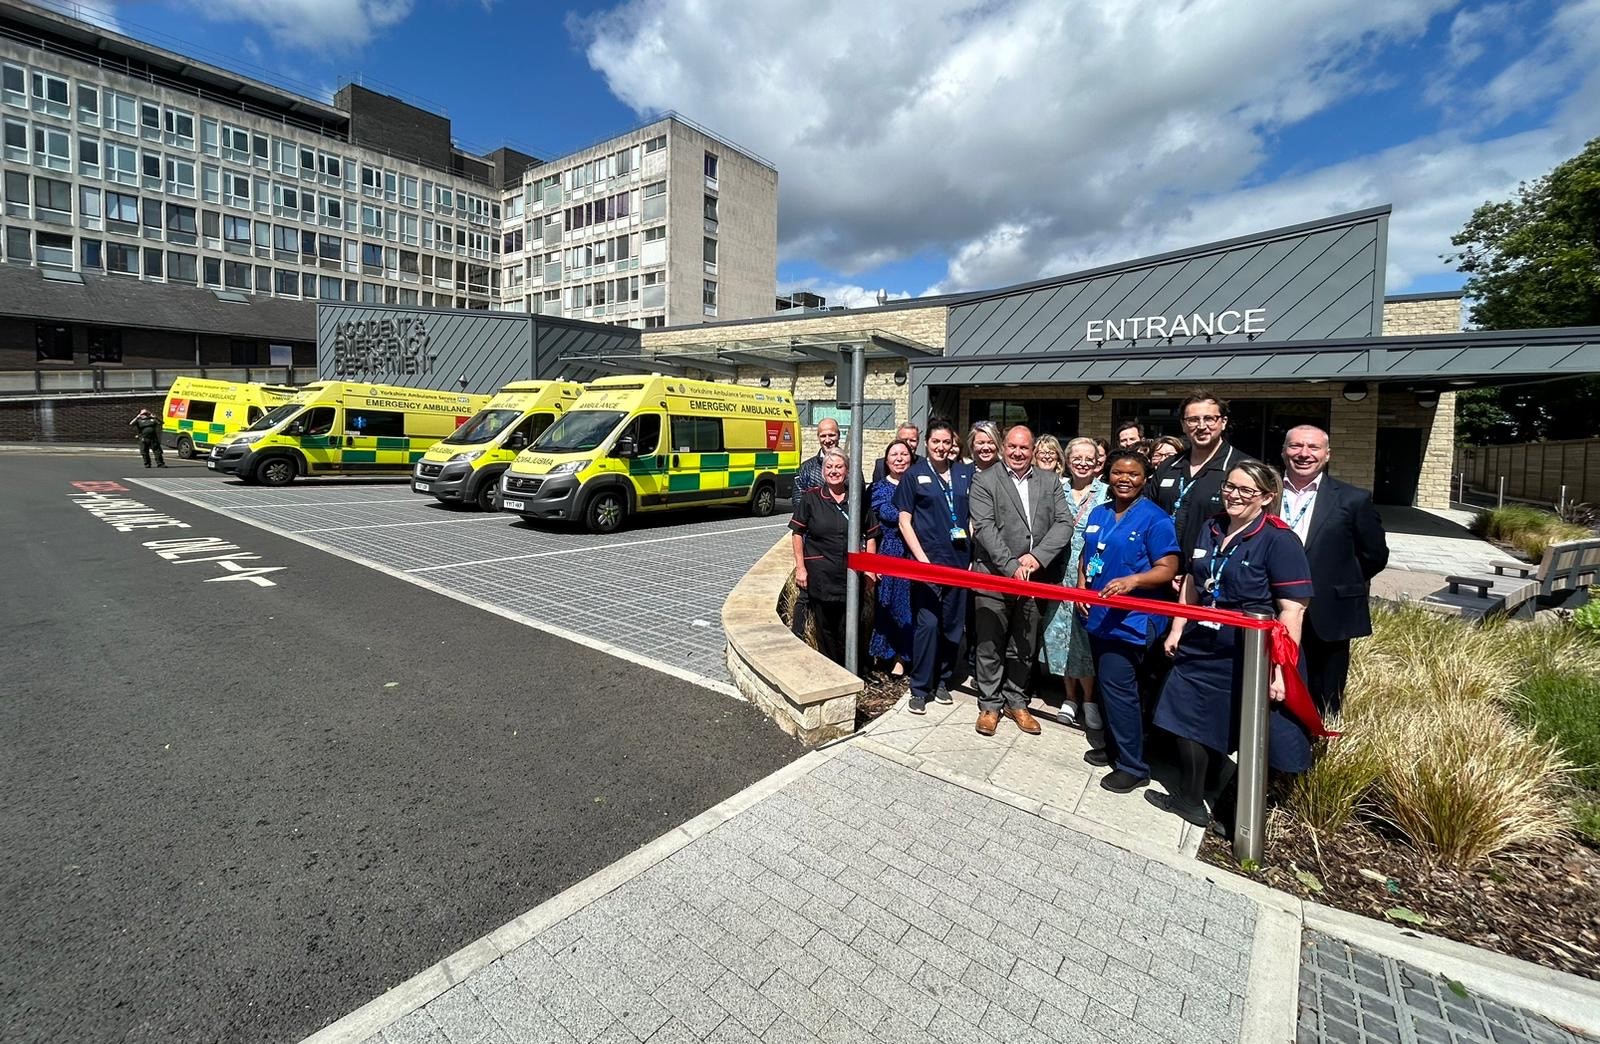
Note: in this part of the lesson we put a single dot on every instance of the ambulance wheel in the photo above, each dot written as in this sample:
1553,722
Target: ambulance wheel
764,500
484,497
605,511
275,471
186,448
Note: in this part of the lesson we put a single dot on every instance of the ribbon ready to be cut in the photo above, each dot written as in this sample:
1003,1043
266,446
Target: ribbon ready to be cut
1281,648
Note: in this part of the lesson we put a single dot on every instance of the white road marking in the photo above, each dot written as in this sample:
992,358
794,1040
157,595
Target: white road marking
382,525
589,548
556,630
331,503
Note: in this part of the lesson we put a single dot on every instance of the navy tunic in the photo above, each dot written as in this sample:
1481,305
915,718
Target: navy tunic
1201,698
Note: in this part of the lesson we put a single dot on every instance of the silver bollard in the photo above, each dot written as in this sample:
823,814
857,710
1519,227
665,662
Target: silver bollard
1501,500
1250,817
1461,488
858,506
1561,505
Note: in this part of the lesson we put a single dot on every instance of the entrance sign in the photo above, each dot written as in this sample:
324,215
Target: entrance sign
1195,324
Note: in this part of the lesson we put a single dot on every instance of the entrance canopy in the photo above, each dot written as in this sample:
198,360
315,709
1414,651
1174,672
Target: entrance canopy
776,355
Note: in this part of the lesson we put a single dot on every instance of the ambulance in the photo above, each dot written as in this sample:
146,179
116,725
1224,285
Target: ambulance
200,412
343,428
466,465
653,443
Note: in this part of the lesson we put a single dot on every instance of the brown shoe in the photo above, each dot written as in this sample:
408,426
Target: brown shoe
1025,721
988,721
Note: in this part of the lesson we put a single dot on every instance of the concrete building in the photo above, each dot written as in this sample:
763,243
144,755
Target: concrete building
126,161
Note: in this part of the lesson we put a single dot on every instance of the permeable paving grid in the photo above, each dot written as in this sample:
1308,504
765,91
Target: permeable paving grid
654,590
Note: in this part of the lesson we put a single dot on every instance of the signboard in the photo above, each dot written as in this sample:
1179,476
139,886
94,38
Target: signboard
375,349
1249,321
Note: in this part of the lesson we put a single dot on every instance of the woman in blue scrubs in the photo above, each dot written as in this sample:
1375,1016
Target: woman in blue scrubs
1251,561
1129,548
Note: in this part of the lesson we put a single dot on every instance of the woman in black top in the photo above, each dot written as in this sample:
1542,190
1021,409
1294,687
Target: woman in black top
821,534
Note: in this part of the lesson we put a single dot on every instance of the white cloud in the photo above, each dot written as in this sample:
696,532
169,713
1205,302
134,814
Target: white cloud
315,25
845,295
102,13
1020,137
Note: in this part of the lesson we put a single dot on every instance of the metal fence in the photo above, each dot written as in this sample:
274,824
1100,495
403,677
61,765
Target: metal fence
104,380
1546,472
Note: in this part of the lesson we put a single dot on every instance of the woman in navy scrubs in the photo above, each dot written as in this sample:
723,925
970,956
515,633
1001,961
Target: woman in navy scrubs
1251,561
1129,548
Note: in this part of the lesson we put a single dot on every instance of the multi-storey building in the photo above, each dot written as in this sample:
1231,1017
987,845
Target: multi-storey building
124,159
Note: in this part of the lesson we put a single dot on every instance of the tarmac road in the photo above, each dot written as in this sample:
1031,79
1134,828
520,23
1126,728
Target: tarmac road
235,811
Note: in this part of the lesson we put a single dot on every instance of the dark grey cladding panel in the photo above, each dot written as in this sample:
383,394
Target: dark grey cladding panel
1311,282
560,346
423,348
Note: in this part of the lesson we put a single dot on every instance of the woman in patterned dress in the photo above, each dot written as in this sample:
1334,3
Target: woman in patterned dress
1066,647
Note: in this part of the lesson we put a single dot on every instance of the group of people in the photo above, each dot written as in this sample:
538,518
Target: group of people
1195,521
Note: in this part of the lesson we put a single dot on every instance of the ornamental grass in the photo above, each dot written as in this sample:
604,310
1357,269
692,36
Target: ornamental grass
1529,529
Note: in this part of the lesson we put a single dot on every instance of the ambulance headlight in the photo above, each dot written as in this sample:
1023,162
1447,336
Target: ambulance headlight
245,440
569,468
468,455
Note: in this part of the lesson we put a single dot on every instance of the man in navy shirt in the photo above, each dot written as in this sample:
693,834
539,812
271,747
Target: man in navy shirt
932,501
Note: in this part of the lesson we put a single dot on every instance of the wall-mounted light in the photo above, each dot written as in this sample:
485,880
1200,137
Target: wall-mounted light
828,379
766,381
899,377
1427,398
1355,391
1094,393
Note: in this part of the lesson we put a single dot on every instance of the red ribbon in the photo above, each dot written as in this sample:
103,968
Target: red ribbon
1281,648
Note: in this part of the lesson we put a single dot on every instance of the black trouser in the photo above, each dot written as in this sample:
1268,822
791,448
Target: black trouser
827,624
146,445
1327,667
938,621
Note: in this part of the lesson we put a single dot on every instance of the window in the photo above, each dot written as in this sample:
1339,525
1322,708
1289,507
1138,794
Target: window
211,268
235,230
88,156
19,244
332,209
16,138
710,254
55,249
181,268
180,222
54,197
180,128
696,435
375,424
286,283
655,235
513,241
12,80
54,343
236,275
371,256
152,263
654,322
236,190
89,207
211,227
708,296
122,259
408,191
285,242
180,177
711,213
332,167
50,95
122,164
1058,417
150,121
150,164
259,149
121,207
93,254
235,144
18,198
208,136
210,184
655,144
203,411
330,248
119,114
105,344
52,148
711,168
88,105
150,211
247,353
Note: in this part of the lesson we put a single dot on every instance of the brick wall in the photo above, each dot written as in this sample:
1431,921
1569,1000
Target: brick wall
101,419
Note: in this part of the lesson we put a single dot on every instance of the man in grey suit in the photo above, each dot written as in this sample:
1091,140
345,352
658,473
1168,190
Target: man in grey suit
1020,526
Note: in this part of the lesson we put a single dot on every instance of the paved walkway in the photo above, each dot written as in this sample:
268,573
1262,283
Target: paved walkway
1425,546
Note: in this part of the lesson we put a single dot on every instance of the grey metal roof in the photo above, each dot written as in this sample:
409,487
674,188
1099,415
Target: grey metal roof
109,300
1461,358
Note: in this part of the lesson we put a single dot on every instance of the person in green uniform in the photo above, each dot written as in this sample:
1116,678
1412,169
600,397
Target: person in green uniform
148,427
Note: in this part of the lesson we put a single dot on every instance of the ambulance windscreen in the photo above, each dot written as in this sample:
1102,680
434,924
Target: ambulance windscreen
275,416
578,432
483,426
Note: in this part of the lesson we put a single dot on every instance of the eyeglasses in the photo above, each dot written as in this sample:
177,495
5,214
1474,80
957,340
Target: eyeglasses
1209,422
1248,492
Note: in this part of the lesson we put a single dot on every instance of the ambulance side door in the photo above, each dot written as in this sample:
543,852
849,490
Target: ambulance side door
647,468
318,434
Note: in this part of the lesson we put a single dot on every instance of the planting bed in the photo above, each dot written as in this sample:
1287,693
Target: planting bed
1540,905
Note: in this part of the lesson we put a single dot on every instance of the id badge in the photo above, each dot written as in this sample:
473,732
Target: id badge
1094,567
957,533
1211,624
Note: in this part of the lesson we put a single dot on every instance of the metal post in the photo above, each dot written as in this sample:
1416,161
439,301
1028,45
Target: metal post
1250,817
858,506
1501,501
1561,505
1461,488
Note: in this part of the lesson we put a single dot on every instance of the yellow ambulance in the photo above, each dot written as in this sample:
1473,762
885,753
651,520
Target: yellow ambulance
200,412
466,464
344,428
650,443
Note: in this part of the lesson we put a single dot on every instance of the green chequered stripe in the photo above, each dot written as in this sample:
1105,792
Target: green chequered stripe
416,455
682,483
359,456
740,478
186,425
394,444
314,442
645,466
713,462
766,460
219,429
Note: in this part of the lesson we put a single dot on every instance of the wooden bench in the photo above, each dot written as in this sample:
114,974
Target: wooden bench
1458,582
1564,572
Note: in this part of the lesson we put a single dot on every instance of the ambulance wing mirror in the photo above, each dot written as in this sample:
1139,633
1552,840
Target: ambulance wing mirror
625,448
297,428
518,441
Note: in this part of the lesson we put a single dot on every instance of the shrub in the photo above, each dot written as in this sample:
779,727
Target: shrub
1586,618
1462,782
1335,789
1534,542
1564,708
1415,656
1528,529
1544,648
1586,818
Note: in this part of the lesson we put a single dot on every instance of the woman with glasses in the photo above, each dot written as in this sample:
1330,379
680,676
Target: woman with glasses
1251,561
1165,448
1065,649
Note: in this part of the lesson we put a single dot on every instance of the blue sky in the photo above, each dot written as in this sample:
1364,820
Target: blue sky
929,145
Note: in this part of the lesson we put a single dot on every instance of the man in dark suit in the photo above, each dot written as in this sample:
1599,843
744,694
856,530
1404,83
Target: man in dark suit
907,433
1346,547
1020,526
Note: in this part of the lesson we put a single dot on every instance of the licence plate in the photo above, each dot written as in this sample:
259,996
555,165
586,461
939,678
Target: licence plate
420,487
211,464
512,505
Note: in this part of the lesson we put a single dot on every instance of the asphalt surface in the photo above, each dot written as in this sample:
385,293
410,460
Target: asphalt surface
236,812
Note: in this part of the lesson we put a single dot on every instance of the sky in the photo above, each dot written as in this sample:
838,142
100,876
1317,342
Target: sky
932,146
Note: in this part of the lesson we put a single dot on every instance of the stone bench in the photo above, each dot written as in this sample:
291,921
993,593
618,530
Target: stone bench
808,695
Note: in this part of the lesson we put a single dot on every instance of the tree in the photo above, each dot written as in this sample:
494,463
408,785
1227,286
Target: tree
1534,261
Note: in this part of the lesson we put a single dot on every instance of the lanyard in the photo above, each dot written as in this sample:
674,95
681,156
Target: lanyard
1184,487
1307,498
1097,562
948,488
1217,563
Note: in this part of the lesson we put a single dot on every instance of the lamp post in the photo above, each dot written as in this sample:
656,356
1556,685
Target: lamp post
851,382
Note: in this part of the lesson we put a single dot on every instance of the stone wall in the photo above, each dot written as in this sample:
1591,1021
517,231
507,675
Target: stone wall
1424,316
